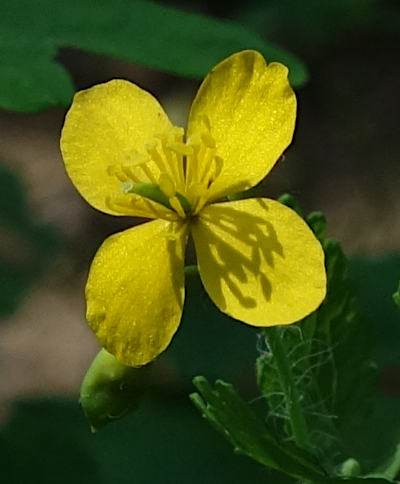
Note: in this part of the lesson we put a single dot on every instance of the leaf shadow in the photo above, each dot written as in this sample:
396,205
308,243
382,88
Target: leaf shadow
262,245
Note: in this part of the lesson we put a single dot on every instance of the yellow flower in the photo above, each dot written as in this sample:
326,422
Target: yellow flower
258,260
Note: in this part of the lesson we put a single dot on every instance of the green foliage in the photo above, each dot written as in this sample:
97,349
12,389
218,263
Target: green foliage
376,278
204,334
47,441
377,302
139,31
316,378
225,409
248,434
318,353
312,26
26,246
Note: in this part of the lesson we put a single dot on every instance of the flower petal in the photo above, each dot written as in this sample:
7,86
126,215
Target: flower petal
259,261
135,290
251,110
103,126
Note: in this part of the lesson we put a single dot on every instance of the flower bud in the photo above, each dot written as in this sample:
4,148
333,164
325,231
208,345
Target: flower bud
110,390
350,468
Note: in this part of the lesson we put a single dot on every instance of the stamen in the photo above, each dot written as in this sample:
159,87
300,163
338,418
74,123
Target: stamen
206,165
126,206
206,121
116,170
167,185
181,148
199,205
197,190
178,133
193,165
208,140
148,173
160,212
151,149
172,164
176,205
128,171
219,163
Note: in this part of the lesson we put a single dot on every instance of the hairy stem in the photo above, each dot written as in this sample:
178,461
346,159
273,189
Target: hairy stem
292,398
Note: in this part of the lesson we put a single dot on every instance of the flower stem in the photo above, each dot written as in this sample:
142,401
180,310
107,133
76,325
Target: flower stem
296,417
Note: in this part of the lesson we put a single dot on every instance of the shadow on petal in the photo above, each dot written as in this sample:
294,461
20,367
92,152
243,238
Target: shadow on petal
256,259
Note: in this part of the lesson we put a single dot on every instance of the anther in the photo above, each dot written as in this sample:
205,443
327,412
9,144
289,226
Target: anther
206,121
208,140
115,170
129,173
152,150
178,132
219,163
148,172
181,148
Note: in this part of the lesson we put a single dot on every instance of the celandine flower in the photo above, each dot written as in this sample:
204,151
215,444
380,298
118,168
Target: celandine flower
258,260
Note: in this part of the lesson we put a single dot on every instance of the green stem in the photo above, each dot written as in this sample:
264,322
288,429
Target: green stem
296,416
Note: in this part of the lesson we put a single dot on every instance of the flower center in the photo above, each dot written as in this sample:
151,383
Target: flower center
172,173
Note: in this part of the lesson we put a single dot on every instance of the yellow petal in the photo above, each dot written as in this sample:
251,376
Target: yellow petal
104,126
135,290
259,261
251,110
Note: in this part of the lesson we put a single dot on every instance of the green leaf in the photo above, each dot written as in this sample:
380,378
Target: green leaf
313,26
143,32
223,407
47,441
377,302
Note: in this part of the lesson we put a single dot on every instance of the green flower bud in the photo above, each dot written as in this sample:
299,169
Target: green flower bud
110,390
350,468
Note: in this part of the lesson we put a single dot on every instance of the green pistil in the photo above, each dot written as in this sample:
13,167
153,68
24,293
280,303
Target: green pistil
154,193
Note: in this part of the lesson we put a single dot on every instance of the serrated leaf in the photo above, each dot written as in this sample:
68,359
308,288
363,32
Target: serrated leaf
223,407
143,32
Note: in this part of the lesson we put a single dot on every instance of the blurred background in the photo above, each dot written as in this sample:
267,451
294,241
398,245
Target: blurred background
344,161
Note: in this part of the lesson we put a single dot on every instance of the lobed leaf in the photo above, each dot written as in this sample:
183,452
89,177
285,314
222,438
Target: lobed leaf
225,409
140,31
